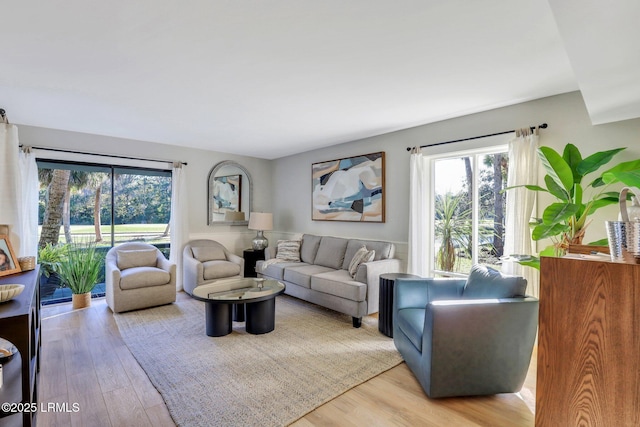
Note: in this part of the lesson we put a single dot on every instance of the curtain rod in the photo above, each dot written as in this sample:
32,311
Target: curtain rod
542,126
59,150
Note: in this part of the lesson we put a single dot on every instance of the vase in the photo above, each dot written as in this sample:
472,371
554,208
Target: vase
81,300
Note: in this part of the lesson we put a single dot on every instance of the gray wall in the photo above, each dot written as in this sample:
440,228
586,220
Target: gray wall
565,114
283,186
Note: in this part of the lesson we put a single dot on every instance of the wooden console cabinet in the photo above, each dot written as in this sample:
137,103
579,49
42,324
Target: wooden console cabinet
588,344
20,324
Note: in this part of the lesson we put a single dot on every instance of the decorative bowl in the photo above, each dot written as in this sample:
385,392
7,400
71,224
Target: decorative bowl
8,292
7,350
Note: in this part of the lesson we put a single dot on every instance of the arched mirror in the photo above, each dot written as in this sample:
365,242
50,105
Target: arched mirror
230,192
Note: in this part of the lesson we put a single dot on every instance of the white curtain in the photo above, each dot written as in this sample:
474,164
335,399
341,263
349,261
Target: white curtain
9,179
523,169
418,216
178,223
27,226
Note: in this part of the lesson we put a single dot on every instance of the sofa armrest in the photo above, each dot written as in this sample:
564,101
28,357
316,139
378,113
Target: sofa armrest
112,274
460,335
192,271
369,273
166,265
236,260
417,293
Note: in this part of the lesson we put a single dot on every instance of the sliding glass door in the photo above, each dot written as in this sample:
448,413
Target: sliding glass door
102,204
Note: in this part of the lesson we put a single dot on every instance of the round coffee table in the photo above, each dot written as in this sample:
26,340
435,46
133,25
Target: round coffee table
257,295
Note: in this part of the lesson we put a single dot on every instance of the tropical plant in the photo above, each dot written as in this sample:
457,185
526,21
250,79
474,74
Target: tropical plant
452,228
566,219
81,268
50,257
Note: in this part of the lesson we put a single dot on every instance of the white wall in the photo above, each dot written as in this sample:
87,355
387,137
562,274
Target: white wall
565,114
199,162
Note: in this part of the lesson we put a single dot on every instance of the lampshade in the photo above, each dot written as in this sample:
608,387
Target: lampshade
260,221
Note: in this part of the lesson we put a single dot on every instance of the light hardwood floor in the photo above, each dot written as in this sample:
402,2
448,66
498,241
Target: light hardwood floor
85,361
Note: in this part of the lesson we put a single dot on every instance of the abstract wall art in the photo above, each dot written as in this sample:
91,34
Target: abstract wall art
226,193
349,189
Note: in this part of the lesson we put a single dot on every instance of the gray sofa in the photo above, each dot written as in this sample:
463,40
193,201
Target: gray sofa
322,277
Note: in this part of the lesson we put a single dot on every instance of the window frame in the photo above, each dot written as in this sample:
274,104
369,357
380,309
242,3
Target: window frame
430,161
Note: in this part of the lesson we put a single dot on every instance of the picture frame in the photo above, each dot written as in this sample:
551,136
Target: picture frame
226,194
8,261
349,189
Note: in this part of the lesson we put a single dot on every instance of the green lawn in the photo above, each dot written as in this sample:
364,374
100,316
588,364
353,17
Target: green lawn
149,233
120,228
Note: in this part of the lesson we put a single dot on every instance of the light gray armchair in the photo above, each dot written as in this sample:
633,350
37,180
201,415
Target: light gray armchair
466,337
205,261
137,275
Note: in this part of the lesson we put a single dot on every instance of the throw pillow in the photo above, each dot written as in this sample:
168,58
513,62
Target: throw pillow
485,282
288,250
208,253
361,255
136,258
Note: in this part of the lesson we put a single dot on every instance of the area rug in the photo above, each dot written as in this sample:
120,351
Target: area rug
311,357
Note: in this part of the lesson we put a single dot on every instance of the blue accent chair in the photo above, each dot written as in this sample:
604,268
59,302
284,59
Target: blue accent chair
466,337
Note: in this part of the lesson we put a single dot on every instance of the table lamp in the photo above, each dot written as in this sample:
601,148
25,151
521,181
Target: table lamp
260,221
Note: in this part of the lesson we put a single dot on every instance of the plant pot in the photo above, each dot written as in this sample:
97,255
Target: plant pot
81,300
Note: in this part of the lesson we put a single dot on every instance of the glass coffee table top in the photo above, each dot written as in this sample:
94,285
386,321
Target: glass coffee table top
239,290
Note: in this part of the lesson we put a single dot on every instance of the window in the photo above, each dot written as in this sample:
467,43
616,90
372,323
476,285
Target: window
468,208
108,205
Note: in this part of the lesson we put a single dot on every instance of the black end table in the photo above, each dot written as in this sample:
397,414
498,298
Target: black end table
251,258
385,309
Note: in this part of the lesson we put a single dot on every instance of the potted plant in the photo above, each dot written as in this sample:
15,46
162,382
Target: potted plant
79,272
49,257
566,219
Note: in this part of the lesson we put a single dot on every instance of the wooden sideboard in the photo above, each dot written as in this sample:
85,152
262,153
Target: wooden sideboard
588,370
20,324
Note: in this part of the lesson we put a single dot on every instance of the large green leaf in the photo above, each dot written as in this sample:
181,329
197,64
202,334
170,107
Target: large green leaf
627,170
572,156
601,202
556,189
594,161
598,182
545,230
531,262
548,251
559,212
601,242
527,186
556,167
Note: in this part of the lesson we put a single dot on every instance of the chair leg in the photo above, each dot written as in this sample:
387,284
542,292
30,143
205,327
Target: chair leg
357,322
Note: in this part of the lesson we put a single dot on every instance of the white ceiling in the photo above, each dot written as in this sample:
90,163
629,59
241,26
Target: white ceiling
279,77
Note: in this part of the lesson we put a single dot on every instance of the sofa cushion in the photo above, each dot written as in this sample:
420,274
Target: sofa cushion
339,283
288,250
208,253
331,252
301,276
383,250
217,269
309,249
362,255
137,258
411,322
143,277
276,271
485,282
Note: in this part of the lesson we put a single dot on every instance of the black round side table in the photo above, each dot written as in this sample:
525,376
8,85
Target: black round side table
385,308
251,258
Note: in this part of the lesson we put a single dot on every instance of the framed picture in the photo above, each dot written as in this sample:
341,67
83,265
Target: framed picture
8,261
349,189
226,194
